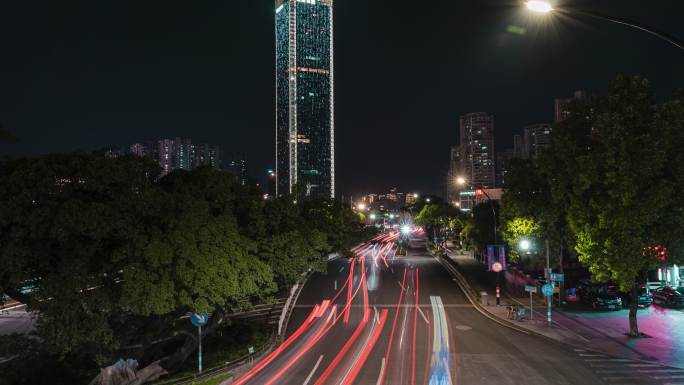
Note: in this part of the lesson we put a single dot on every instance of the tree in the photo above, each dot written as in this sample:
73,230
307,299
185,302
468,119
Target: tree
517,229
437,217
620,155
479,232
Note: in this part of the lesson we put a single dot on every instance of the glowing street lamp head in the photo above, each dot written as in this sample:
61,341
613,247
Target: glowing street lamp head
405,229
460,181
525,244
415,196
361,206
539,6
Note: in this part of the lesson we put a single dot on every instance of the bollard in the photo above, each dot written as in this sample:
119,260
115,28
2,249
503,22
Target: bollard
485,298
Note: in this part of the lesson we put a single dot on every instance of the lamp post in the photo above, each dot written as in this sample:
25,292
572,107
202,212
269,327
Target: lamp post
462,181
544,7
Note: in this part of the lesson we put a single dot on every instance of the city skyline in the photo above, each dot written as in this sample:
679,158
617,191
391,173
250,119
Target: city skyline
203,72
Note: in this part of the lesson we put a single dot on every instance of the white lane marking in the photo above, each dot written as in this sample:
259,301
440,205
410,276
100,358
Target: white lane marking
403,329
400,285
422,314
579,350
592,355
377,317
341,269
335,285
674,377
382,371
314,370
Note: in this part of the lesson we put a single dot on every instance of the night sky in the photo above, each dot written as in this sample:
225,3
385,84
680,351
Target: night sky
89,74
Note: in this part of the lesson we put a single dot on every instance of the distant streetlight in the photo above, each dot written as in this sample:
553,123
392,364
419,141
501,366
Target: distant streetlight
427,200
545,7
460,181
372,217
361,206
405,229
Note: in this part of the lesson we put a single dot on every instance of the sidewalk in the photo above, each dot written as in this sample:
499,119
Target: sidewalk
598,331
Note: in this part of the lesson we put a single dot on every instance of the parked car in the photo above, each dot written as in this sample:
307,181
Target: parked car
643,300
599,296
667,296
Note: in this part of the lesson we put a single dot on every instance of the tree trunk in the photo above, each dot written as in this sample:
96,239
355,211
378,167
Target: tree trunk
633,306
168,364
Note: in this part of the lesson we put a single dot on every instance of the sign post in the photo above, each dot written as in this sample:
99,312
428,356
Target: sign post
531,289
547,290
199,320
250,350
560,278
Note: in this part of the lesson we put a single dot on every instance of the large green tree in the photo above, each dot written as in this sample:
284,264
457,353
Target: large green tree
620,169
109,256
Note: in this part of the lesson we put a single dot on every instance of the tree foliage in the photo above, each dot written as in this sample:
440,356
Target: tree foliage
109,255
609,185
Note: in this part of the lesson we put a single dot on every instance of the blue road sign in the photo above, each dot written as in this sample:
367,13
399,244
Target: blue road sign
557,277
530,288
547,290
199,319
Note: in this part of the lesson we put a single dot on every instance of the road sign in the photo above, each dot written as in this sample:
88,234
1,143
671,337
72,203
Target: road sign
250,350
497,267
199,320
557,277
547,290
530,288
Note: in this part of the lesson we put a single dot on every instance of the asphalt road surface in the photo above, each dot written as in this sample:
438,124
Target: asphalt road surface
403,321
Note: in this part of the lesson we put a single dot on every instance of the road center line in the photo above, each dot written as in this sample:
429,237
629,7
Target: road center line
313,371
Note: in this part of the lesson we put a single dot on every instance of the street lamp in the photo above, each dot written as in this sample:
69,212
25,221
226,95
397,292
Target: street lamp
361,206
539,6
545,7
525,244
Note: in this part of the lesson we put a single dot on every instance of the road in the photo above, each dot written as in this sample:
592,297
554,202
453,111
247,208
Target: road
403,321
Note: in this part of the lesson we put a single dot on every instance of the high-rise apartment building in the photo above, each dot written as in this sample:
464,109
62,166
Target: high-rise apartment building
178,154
166,155
561,104
537,137
305,146
455,172
477,149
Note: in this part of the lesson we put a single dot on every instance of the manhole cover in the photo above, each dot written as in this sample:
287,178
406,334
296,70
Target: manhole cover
463,327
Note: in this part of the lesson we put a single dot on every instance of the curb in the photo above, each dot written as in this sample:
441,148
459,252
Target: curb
467,290
289,306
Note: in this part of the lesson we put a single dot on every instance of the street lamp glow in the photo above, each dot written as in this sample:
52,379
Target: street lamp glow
427,200
361,206
391,216
372,217
415,196
460,180
405,229
539,6
525,244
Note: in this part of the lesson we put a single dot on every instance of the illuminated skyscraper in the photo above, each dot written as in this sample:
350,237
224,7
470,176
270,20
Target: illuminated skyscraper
305,128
